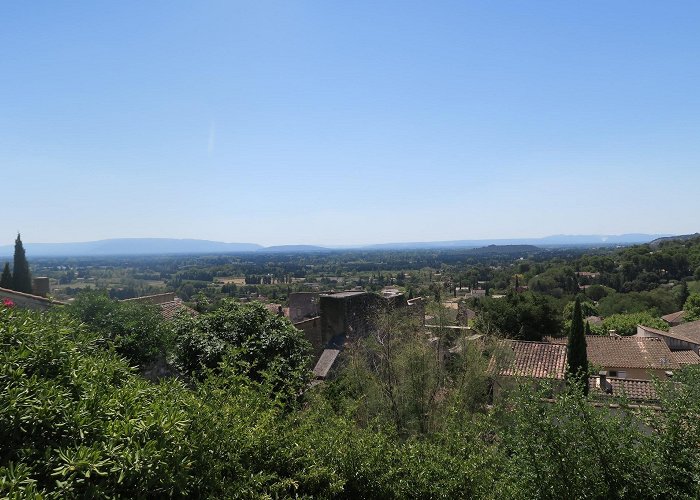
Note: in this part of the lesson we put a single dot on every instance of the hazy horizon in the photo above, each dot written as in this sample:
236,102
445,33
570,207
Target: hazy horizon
589,237
348,123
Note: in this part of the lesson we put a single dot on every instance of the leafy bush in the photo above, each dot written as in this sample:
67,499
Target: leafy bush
136,330
692,307
77,422
258,342
626,324
525,316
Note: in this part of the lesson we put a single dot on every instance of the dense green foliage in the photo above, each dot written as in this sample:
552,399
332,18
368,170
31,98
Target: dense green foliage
626,324
135,330
526,316
261,344
692,307
77,422
21,278
6,278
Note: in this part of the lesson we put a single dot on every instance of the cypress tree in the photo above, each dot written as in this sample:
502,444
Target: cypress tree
21,279
576,349
6,279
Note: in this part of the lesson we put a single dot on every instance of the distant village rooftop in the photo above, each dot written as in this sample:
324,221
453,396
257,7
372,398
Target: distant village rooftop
170,305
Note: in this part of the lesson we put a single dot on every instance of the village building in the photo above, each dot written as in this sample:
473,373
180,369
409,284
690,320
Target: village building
683,337
535,361
631,357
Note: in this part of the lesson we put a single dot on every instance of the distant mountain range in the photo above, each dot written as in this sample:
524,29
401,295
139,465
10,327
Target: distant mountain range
157,246
559,240
682,237
131,246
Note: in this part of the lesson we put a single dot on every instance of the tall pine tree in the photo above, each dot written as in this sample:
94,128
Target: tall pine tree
576,349
6,278
21,279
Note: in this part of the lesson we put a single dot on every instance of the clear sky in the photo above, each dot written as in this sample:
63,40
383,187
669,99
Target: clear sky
346,122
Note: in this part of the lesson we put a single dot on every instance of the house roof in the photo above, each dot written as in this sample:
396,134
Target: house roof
555,340
170,309
669,334
686,357
673,317
168,303
631,388
630,352
534,359
689,331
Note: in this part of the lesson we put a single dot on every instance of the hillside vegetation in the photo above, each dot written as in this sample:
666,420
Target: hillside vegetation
77,422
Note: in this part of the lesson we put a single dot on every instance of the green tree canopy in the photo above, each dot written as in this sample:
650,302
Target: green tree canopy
588,308
692,307
137,331
6,278
626,324
21,278
249,336
526,316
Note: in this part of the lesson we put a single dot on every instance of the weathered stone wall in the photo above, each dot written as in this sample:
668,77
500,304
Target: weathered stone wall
303,305
353,314
41,286
312,331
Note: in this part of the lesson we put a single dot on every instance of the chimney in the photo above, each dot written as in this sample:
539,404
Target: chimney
605,386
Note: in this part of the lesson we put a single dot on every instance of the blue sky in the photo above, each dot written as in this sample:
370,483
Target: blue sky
334,122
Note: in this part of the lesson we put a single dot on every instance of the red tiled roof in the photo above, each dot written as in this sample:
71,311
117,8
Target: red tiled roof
630,352
689,331
675,332
631,388
159,298
673,317
534,359
686,357
555,340
170,309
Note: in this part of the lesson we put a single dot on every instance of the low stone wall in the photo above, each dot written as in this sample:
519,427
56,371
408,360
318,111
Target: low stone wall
26,300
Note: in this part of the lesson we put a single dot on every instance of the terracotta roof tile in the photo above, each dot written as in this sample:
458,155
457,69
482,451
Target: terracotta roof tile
686,357
689,331
673,317
534,359
631,388
170,309
630,352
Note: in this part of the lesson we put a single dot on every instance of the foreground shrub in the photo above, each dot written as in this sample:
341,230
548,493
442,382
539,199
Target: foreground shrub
137,331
